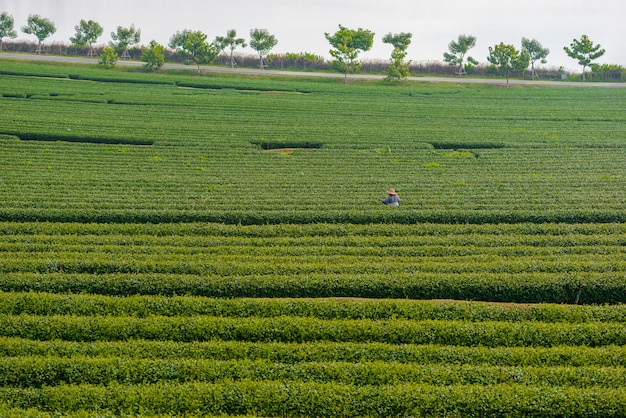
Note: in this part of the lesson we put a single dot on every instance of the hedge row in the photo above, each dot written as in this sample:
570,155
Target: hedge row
53,371
78,137
294,329
584,287
559,234
43,304
273,398
253,217
224,262
323,351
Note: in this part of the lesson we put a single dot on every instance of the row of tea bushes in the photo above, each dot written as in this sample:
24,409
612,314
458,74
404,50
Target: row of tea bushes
552,263
142,306
607,356
37,372
275,398
302,329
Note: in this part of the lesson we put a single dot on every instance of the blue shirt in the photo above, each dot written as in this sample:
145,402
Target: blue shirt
392,200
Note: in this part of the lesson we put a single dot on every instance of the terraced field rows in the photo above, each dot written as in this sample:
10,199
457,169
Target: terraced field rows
556,263
198,356
156,260
456,154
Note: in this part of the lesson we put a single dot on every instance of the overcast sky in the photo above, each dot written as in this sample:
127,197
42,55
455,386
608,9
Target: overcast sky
299,26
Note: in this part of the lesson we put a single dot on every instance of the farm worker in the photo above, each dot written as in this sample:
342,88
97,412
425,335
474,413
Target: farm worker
392,199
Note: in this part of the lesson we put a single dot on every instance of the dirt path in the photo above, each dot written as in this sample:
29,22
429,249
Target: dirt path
251,71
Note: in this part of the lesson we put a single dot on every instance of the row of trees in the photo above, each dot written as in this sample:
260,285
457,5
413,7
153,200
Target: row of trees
346,45
192,44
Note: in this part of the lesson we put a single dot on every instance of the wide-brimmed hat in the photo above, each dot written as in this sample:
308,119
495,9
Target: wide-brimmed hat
391,191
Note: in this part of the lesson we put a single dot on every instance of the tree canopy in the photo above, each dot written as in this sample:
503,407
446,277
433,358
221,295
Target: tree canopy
231,42
507,58
536,52
109,57
125,37
584,51
262,42
87,33
39,26
194,46
153,56
398,69
347,44
177,40
6,27
458,49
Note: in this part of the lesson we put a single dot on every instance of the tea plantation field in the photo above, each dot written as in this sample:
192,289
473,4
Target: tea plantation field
177,245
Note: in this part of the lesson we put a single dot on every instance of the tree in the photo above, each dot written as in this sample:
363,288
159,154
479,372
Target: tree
87,33
40,27
347,44
109,57
398,69
458,49
6,27
584,51
507,58
230,41
177,40
194,46
536,52
262,42
153,56
123,38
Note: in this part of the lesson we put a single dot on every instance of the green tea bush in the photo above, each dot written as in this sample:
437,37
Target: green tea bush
46,304
305,399
601,288
51,371
294,329
322,351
